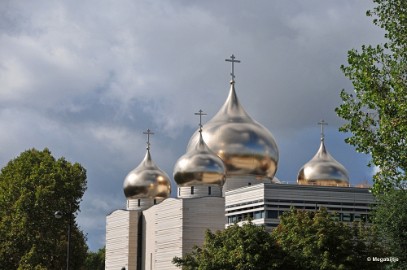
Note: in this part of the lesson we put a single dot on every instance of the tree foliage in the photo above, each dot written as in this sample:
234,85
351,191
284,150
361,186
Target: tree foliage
303,240
391,220
95,260
376,113
246,247
314,240
33,187
376,116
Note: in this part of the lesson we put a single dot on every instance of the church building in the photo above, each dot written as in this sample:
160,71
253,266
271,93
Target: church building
226,176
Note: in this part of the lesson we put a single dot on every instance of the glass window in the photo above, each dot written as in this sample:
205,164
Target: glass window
272,214
258,214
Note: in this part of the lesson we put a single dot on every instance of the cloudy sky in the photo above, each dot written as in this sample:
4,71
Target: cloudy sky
86,78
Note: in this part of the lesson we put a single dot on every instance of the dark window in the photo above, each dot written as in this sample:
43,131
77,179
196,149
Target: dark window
138,202
192,190
272,214
209,190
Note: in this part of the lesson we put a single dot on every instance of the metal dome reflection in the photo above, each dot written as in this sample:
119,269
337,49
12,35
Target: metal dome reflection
244,145
323,170
199,166
147,181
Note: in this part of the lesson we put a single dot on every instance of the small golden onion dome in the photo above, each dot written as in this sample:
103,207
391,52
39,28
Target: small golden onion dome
323,170
199,166
147,181
245,146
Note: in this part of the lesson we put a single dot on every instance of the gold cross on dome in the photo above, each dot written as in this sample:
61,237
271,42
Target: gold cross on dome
200,113
148,133
233,61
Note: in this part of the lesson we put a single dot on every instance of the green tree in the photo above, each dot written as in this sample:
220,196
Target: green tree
390,217
314,240
237,247
95,260
376,116
376,113
33,187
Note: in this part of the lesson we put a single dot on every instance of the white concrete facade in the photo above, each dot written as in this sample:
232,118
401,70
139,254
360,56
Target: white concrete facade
171,228
122,239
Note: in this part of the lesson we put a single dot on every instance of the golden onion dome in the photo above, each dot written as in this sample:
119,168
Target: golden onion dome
323,170
147,180
199,166
245,146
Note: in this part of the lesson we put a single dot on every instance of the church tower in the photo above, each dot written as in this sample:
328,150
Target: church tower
145,186
247,148
323,169
200,172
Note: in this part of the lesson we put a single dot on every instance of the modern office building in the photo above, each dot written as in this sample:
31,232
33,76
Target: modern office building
226,176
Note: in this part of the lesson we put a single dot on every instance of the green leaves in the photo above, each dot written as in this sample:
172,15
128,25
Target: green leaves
95,260
303,240
391,220
32,187
313,240
376,116
376,113
237,247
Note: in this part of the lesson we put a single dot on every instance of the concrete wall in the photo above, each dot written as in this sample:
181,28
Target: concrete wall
121,239
173,227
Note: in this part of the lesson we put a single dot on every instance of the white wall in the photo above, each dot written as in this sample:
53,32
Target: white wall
121,239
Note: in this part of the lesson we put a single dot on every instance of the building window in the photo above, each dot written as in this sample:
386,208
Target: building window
209,190
192,190
138,202
179,191
272,214
232,219
249,183
258,214
155,201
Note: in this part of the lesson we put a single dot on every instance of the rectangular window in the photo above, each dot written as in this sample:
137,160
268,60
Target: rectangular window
272,214
209,190
258,214
138,202
192,190
347,217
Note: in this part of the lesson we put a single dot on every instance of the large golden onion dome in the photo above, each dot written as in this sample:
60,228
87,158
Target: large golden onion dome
199,166
147,180
245,146
323,170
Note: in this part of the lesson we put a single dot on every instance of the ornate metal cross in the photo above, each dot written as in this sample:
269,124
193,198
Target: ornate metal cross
322,123
148,133
200,113
232,59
